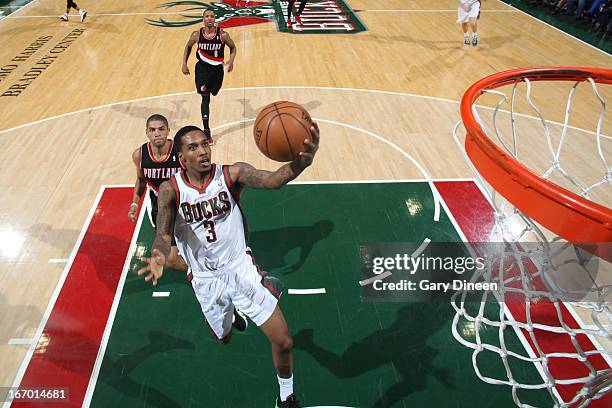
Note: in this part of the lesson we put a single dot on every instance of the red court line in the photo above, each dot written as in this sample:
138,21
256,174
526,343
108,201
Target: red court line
67,349
474,215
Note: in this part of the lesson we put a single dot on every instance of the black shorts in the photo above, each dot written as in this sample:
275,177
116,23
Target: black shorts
208,78
154,215
71,4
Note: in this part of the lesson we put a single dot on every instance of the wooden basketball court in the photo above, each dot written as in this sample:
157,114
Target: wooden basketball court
74,101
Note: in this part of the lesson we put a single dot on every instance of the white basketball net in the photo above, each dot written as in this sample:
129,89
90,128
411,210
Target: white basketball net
532,274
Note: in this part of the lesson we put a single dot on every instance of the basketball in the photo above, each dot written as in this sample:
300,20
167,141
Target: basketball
280,130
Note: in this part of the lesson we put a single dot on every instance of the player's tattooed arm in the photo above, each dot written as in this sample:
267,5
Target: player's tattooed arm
247,175
166,209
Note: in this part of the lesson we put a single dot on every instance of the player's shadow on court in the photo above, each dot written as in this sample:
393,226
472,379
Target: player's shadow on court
17,320
97,249
61,239
176,117
403,344
115,372
72,351
271,247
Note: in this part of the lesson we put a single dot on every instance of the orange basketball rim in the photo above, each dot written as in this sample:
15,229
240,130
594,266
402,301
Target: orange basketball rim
568,215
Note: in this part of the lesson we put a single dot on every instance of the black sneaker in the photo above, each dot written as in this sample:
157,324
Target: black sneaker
290,402
240,322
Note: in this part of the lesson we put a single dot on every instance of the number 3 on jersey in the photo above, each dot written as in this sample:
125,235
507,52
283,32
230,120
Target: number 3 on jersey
212,235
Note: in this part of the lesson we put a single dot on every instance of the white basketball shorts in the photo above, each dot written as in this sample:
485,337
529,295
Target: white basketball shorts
240,287
467,11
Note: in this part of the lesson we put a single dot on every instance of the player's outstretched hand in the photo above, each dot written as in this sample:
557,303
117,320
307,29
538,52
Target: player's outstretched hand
305,158
185,69
154,268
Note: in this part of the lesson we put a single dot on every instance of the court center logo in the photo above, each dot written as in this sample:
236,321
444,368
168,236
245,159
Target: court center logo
239,11
318,16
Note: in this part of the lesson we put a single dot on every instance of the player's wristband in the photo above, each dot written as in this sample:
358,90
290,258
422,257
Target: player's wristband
133,205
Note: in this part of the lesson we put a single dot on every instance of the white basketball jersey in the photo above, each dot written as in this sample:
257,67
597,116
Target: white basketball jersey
209,228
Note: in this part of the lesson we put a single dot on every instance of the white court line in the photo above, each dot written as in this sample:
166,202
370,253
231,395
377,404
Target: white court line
319,291
56,292
111,317
16,341
256,88
161,294
118,185
57,260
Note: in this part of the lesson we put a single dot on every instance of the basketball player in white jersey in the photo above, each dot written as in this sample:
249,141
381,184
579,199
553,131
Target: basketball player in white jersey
201,206
468,13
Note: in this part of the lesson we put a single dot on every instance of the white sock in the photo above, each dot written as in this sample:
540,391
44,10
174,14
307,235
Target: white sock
476,34
66,14
466,35
286,387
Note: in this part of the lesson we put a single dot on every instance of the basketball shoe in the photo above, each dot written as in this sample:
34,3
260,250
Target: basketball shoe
83,14
290,402
240,322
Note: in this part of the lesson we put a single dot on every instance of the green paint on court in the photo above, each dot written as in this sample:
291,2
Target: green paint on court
347,352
